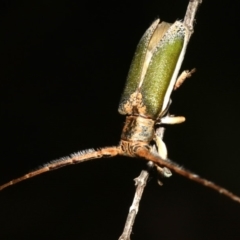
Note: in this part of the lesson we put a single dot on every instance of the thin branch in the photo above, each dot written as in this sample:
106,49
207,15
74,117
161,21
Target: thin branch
74,158
140,182
144,153
190,13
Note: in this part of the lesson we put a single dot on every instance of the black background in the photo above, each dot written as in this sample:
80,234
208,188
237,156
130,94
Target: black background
63,67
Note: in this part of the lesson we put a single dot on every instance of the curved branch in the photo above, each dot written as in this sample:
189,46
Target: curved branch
190,13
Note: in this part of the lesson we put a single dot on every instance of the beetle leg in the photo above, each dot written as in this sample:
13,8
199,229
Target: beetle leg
161,149
183,76
171,119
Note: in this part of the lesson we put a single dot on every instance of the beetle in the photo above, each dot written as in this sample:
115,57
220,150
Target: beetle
145,101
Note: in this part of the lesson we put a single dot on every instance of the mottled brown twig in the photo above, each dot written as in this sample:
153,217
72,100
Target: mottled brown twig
140,182
190,13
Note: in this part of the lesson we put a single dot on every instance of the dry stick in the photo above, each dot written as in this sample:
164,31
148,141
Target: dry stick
140,182
190,16
190,13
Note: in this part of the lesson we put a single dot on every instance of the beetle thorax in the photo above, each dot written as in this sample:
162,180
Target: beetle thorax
138,128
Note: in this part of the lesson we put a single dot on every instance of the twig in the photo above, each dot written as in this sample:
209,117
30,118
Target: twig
140,182
190,13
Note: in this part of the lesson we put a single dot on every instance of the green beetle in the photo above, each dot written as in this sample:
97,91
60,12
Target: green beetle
151,79
145,101
154,70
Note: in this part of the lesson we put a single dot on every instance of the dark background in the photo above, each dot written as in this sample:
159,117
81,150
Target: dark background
63,67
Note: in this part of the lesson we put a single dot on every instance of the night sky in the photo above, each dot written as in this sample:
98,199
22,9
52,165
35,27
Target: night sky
63,68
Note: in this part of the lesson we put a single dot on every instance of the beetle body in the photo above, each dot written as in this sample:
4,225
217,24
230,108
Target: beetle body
152,74
151,79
